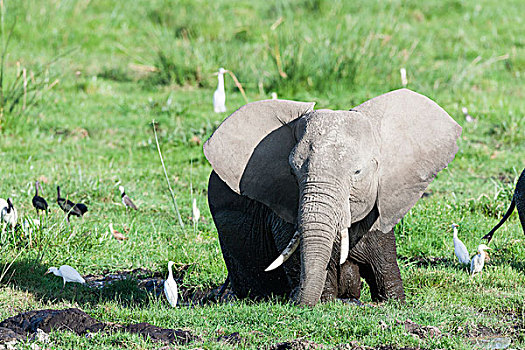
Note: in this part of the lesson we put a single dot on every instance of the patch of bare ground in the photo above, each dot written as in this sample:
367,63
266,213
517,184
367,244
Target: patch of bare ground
303,344
153,282
24,325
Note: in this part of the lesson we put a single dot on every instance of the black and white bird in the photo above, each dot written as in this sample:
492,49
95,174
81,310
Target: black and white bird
68,206
39,203
8,212
128,203
170,287
219,96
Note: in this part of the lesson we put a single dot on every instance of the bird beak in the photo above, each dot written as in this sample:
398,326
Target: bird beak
47,273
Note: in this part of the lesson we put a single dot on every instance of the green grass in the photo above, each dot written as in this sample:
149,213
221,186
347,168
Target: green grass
92,132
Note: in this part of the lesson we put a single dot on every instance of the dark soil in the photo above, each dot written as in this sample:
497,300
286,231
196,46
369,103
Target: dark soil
231,339
23,325
302,344
7,335
297,344
419,330
153,282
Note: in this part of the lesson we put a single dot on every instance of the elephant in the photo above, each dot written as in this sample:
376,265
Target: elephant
325,188
518,201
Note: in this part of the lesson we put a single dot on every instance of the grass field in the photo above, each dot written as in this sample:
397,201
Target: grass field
120,66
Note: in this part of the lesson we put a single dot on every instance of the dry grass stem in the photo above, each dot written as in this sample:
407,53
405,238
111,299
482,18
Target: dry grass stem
175,206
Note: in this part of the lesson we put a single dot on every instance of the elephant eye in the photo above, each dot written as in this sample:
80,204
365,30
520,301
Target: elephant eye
357,172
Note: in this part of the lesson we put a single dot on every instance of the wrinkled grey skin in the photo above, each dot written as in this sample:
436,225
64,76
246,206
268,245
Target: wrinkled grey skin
518,201
279,166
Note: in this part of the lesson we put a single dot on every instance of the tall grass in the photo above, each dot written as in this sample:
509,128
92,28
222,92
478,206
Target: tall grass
155,59
21,88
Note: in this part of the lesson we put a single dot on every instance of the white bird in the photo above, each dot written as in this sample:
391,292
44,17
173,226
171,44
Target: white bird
459,248
219,96
170,287
478,261
468,117
196,212
274,95
8,212
68,273
128,203
29,224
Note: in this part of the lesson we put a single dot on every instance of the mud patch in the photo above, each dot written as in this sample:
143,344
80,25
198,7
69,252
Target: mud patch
302,344
153,282
419,330
7,336
488,338
297,344
146,279
231,339
26,324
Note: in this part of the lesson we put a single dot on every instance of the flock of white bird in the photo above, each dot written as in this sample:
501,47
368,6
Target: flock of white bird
9,216
477,262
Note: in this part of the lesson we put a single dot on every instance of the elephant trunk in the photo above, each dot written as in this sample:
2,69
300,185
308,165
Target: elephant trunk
321,213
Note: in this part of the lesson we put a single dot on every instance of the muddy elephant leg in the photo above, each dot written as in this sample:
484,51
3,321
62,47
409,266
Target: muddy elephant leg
343,281
350,281
245,229
376,255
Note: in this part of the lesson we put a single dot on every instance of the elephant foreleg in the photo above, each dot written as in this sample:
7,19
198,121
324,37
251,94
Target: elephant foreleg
246,230
376,255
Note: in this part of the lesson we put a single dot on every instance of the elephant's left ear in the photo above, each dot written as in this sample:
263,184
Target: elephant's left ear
418,139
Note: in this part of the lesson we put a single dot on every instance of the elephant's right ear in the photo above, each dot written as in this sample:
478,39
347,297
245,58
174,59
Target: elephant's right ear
250,149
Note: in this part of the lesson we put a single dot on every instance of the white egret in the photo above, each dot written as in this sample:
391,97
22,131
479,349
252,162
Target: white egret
459,248
219,96
478,261
468,117
170,287
68,273
128,203
196,212
8,212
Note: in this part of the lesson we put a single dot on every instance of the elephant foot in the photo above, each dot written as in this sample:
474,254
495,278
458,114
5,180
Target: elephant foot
377,259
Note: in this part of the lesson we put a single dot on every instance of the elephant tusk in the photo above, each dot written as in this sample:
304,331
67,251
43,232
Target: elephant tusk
345,246
287,252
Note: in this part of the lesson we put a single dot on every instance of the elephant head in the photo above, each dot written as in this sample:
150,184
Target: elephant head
323,170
